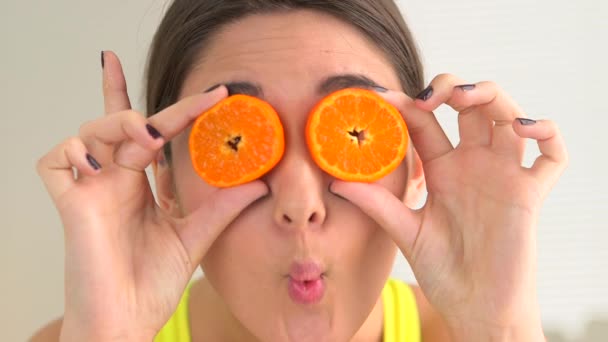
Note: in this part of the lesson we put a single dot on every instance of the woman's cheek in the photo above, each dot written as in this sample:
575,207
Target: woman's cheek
245,245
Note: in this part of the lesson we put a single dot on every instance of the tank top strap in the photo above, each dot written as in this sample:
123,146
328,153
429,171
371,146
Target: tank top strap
401,319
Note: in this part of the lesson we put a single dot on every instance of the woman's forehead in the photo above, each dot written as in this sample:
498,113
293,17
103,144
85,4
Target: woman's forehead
297,49
292,30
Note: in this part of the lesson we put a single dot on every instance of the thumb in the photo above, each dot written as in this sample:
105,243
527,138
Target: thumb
201,228
115,95
400,222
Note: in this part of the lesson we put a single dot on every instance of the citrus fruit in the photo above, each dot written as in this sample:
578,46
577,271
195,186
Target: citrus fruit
356,135
236,141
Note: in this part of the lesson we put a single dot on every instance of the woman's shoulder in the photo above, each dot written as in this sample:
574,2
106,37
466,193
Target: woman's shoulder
48,333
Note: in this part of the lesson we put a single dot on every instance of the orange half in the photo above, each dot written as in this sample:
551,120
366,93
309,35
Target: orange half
356,135
236,141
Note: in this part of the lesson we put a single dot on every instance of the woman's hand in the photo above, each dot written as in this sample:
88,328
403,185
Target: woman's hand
127,260
472,246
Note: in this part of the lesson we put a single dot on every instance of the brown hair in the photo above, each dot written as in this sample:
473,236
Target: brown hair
189,24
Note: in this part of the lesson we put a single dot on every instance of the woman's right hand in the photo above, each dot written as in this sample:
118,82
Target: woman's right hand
128,261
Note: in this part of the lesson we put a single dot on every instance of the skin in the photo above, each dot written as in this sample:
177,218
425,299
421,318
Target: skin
356,253
472,245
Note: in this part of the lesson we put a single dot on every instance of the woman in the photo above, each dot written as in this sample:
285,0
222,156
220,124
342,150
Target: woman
298,255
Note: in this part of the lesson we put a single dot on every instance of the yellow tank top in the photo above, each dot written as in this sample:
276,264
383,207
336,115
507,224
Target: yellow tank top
401,321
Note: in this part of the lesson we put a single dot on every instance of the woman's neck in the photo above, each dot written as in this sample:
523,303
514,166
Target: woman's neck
211,320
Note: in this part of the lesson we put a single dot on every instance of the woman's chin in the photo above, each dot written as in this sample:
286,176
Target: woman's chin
311,327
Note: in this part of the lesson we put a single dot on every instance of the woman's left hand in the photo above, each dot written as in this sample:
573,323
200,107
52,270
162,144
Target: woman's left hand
472,246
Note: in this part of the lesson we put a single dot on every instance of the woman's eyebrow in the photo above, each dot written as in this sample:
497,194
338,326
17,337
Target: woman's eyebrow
328,85
245,88
339,82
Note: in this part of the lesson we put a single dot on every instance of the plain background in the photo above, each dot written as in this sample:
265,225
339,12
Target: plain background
549,55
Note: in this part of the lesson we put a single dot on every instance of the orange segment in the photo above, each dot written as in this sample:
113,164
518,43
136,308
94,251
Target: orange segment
356,135
236,141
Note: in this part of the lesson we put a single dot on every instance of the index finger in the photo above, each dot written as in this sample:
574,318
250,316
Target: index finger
168,123
174,119
426,133
115,96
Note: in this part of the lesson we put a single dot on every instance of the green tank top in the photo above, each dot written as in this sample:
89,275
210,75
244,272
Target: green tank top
401,321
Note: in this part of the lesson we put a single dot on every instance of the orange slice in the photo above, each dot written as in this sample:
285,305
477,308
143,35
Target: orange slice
356,135
236,141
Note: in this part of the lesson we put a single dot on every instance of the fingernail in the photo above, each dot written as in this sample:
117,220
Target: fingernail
526,122
103,63
425,94
466,87
154,133
380,89
93,162
213,88
160,159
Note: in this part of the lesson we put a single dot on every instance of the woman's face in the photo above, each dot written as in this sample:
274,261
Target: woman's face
300,261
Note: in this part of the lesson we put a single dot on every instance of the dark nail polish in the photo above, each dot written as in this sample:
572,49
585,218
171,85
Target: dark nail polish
93,162
213,88
380,89
425,94
154,133
526,122
103,62
160,159
466,87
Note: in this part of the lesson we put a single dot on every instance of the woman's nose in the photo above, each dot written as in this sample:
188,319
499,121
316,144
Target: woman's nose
297,188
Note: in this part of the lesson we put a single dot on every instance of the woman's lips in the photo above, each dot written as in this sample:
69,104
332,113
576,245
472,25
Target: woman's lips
306,284
307,291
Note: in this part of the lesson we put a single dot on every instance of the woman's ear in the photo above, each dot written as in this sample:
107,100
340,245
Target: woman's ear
165,190
416,183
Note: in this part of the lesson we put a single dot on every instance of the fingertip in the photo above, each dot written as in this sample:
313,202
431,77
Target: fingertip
209,97
526,121
153,132
114,84
254,190
86,165
419,103
334,186
334,192
108,55
425,105
398,99
217,89
262,187
76,156
108,61
347,189
380,89
535,129
522,126
94,165
329,187
212,88
425,94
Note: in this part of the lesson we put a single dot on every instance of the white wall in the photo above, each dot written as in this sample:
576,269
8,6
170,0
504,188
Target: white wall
549,55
